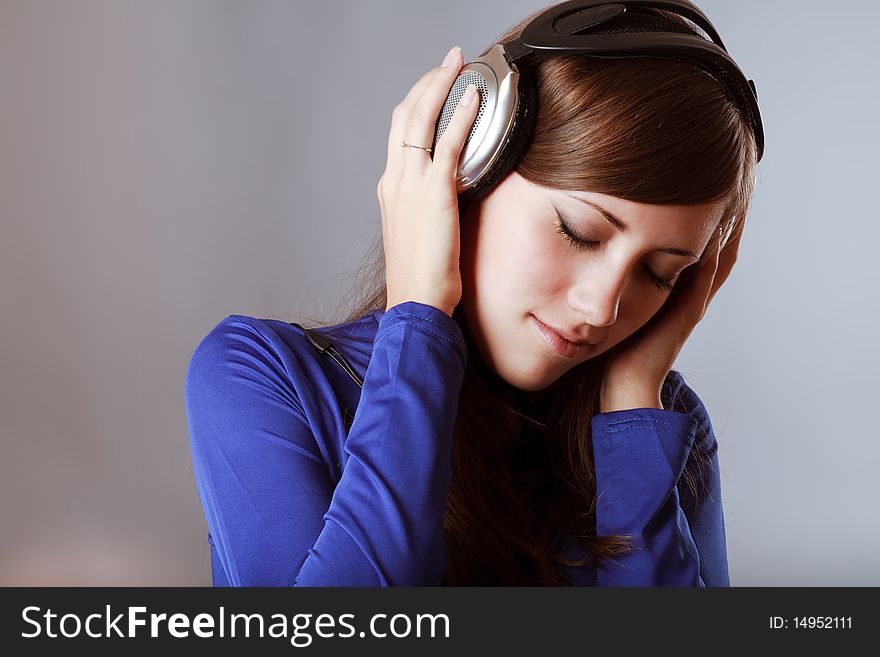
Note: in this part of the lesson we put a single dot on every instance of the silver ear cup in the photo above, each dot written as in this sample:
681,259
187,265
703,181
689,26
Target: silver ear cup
496,81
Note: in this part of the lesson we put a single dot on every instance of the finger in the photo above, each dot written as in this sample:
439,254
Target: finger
729,252
447,153
400,115
709,288
401,112
691,298
691,293
731,233
421,123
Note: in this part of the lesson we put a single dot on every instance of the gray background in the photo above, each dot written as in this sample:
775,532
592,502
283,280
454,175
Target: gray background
164,164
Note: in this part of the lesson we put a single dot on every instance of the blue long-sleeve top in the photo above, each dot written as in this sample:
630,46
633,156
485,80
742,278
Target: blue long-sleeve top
292,498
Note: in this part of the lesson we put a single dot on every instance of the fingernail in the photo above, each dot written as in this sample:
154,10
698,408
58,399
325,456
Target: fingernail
451,56
469,94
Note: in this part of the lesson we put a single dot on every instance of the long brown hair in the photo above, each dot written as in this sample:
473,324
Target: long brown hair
645,130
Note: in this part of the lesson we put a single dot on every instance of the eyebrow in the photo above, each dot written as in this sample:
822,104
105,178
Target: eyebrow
620,226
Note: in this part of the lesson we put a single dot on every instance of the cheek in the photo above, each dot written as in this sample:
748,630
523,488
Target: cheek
515,262
532,265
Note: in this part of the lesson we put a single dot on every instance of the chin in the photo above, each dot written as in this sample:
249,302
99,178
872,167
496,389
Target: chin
532,386
529,381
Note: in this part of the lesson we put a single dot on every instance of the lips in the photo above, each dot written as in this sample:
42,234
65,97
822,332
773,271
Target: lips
560,344
567,336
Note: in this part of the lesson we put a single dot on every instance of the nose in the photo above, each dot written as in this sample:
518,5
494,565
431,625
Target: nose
597,294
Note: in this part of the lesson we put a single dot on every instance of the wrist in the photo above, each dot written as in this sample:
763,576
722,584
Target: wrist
443,306
621,399
629,404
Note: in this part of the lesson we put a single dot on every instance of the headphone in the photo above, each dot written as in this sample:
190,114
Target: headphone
615,30
508,98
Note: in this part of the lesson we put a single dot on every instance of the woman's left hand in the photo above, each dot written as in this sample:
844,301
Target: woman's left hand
634,376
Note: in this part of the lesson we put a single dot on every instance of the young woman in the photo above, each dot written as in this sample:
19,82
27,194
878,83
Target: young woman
500,408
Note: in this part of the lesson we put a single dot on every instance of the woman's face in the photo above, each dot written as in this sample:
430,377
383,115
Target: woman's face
519,271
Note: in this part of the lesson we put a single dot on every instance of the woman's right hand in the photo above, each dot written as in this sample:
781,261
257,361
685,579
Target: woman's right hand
418,197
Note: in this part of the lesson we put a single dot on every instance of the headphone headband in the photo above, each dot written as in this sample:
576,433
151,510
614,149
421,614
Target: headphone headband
560,30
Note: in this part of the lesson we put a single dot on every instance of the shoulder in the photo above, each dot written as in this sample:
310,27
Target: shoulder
243,347
246,358
253,387
242,336
235,333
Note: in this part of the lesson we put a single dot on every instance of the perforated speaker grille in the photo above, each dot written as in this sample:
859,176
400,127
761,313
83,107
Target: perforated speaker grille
455,94
632,21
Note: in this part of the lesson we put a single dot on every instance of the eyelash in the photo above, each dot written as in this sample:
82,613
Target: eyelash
586,245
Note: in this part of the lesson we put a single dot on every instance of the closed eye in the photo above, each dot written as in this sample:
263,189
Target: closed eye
664,285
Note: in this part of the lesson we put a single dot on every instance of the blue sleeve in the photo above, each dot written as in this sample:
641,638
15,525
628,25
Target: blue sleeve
640,455
702,504
275,515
